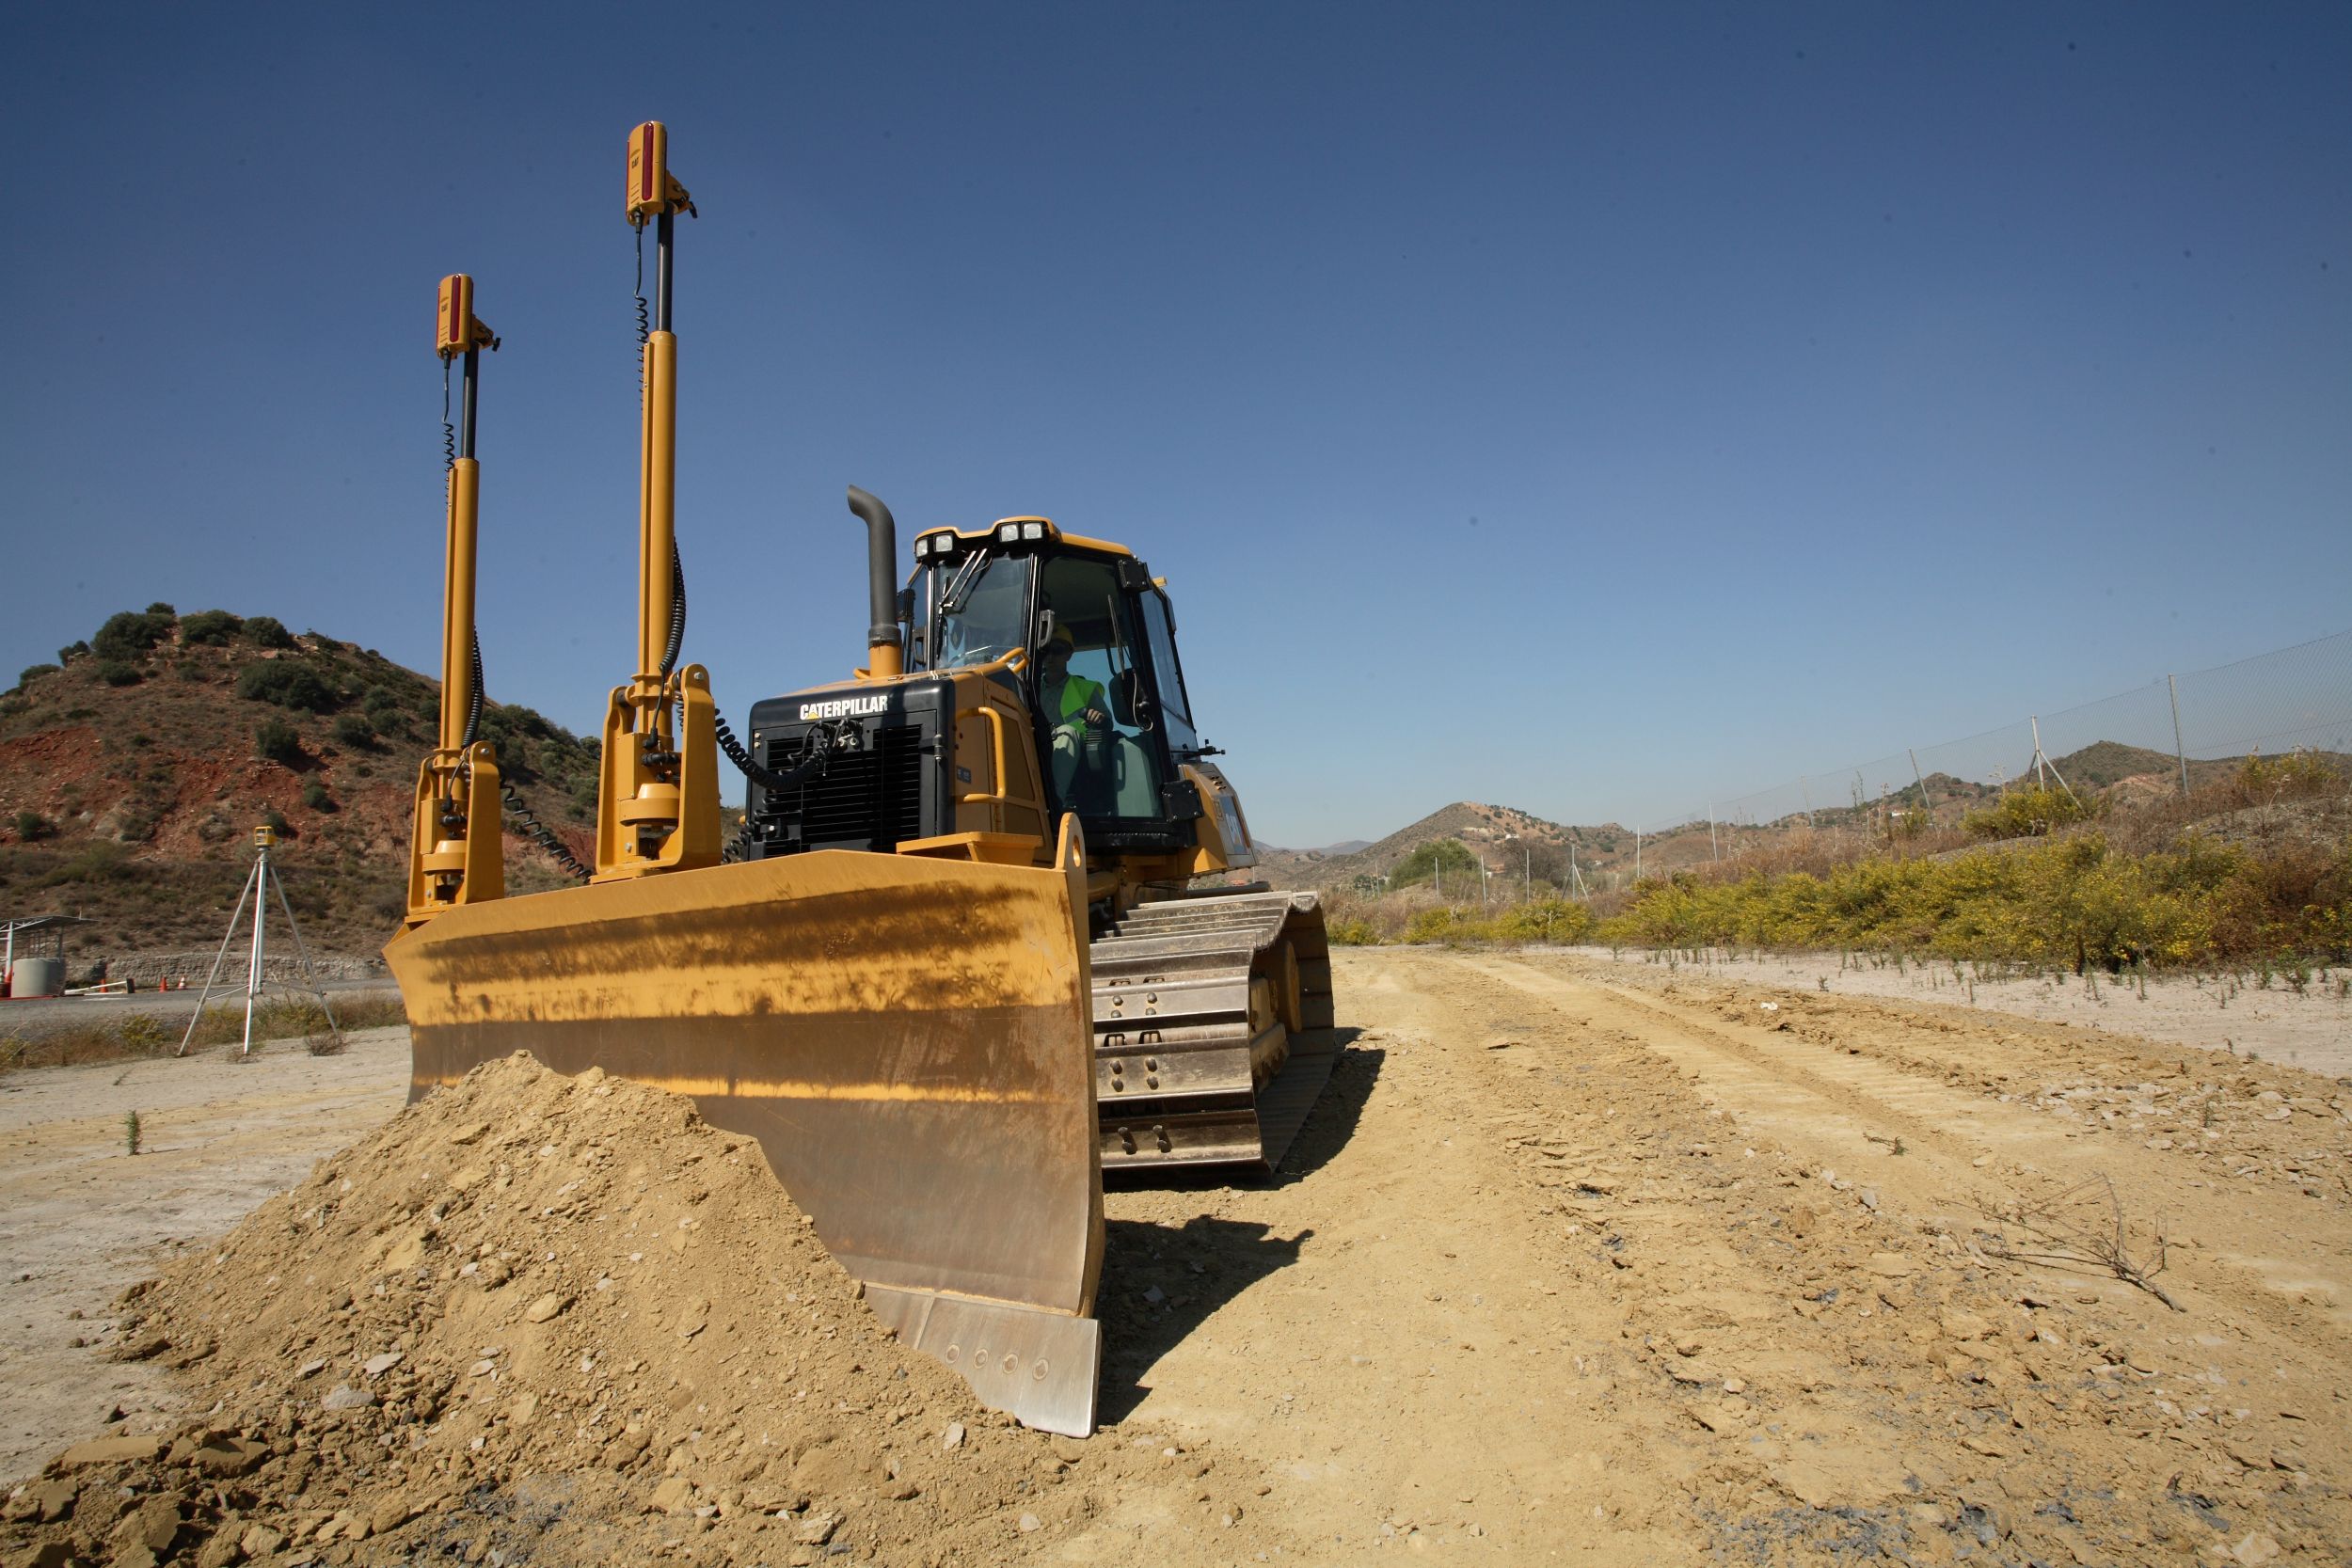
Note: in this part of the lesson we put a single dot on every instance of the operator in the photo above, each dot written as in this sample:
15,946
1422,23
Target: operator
1078,712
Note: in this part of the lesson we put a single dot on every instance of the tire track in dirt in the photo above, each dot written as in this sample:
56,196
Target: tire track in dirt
1908,1358
1831,1102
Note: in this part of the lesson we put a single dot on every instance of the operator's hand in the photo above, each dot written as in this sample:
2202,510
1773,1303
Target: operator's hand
1095,718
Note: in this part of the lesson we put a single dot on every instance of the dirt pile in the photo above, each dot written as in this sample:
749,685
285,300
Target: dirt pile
552,1319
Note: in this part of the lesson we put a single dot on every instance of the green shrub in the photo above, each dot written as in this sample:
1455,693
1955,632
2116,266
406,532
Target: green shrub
2296,776
1352,932
130,634
2073,901
73,651
315,795
31,825
2025,813
32,673
163,609
267,631
275,740
286,683
1450,925
214,628
275,820
1543,920
354,730
115,673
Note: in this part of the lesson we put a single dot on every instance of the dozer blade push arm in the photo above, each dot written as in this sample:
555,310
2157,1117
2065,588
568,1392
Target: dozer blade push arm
657,803
454,850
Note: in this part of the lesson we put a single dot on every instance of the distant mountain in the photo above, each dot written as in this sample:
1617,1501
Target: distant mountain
1501,837
2105,764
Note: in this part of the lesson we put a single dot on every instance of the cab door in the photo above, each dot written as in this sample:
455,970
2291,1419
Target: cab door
1113,774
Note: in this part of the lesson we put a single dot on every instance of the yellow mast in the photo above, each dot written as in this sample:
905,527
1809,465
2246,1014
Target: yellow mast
455,845
658,808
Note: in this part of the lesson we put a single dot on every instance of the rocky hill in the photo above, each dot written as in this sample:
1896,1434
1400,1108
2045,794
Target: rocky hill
133,772
1510,842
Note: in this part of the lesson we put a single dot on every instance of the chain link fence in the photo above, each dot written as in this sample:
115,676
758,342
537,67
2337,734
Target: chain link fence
2297,698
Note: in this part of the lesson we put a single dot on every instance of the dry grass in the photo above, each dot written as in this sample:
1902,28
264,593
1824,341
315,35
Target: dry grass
140,1034
2083,1228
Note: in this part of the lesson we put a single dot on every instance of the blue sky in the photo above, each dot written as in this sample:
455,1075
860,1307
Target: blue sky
1590,409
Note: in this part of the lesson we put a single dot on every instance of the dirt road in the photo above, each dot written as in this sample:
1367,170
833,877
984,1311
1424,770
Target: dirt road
1583,1266
1594,1264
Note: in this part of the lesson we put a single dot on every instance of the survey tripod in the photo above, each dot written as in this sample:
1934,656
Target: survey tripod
259,884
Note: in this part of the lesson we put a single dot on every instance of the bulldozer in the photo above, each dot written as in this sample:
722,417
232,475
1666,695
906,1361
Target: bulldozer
958,961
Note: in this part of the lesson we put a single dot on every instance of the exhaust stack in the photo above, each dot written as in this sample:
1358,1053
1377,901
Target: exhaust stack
883,641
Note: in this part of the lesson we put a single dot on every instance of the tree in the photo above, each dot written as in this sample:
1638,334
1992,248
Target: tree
211,628
130,634
1430,860
268,631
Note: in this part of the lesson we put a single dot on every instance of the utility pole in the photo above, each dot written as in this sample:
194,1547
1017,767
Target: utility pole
2172,684
1713,849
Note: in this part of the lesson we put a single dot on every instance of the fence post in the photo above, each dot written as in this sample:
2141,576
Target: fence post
2172,684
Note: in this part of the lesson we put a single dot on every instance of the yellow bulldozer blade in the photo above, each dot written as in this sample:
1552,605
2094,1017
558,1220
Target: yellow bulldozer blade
908,1039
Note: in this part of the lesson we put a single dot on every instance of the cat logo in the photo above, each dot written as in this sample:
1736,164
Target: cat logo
844,707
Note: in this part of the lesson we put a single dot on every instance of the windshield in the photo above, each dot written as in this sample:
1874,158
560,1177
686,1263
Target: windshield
990,615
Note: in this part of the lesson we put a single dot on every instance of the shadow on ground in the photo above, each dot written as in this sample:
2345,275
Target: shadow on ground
1161,1280
1160,1284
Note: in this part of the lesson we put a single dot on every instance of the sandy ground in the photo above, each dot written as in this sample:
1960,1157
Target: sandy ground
2232,1013
80,1218
1575,1262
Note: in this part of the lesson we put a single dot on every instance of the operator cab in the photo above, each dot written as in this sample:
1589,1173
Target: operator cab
1073,633
1099,675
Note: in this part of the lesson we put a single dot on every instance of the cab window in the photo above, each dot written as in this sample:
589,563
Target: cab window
1093,700
1183,741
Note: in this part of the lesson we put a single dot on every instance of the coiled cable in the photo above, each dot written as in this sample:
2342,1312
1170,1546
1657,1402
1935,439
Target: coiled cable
812,763
540,835
677,610
449,431
645,313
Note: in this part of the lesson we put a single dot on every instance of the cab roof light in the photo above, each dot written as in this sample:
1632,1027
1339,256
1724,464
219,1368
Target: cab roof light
1017,530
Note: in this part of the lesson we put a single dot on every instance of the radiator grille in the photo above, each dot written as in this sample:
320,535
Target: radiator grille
870,799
